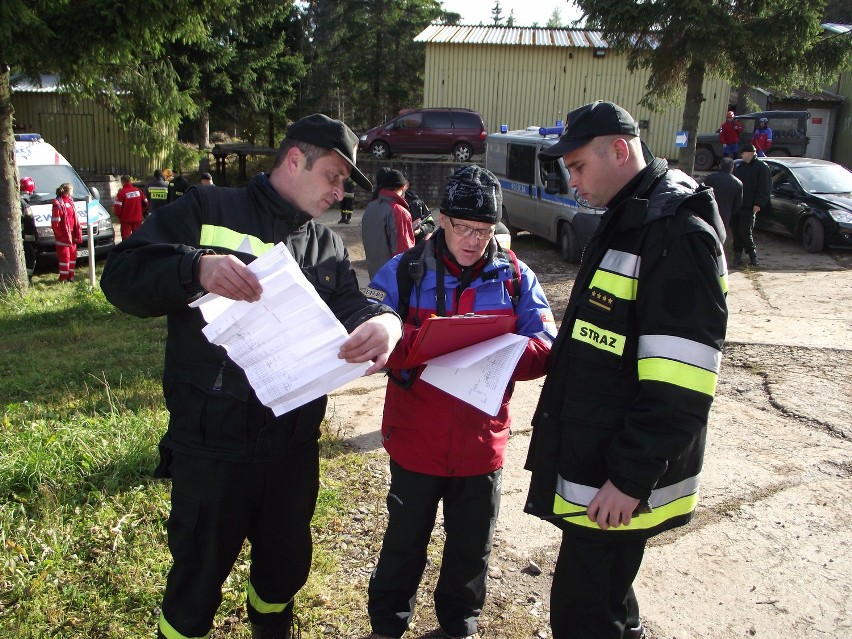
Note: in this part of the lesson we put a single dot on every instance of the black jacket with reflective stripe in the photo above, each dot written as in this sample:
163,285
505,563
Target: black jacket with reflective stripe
653,271
213,410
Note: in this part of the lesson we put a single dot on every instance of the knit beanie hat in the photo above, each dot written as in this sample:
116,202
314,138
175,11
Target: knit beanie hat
473,193
390,179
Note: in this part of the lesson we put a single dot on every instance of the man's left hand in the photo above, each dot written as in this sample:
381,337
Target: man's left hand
611,508
372,341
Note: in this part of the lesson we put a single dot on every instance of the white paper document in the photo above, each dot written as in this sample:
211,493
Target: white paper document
478,374
287,342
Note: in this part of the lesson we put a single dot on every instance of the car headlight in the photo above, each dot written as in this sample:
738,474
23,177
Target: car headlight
44,231
363,138
841,215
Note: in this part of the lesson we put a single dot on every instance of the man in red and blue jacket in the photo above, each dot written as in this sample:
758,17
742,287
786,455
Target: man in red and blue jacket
441,447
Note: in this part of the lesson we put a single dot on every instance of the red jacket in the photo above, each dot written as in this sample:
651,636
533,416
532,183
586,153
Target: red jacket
66,226
426,430
730,132
130,204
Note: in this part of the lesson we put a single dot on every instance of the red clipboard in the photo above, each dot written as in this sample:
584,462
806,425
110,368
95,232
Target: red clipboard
442,335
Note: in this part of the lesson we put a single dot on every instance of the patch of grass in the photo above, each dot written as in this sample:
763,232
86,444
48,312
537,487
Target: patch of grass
83,550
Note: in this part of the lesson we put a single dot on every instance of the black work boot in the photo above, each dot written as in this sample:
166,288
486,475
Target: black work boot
634,633
752,258
738,259
284,625
286,631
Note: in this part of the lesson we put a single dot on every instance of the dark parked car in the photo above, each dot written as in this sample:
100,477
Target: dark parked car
458,131
789,136
811,201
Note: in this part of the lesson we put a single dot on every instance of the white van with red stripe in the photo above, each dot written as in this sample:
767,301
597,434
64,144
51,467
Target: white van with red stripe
40,161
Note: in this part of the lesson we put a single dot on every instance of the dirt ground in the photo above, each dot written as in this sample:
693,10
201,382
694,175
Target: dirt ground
769,553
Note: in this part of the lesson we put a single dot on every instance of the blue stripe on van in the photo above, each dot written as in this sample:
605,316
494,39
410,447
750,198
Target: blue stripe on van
517,187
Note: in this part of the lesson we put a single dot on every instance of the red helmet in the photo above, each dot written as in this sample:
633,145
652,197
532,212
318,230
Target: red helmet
730,114
27,186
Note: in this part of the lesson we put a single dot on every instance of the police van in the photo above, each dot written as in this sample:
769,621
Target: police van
40,161
536,195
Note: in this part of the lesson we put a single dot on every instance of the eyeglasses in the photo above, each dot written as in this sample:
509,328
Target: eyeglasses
463,230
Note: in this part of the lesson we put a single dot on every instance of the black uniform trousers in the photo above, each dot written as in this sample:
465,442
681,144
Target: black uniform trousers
216,506
471,505
592,593
742,225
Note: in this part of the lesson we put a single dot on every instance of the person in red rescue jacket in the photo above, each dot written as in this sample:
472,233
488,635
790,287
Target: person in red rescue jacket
129,207
440,447
66,231
729,135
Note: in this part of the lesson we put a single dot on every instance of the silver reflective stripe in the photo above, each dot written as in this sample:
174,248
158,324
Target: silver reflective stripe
575,493
620,262
583,495
681,350
668,494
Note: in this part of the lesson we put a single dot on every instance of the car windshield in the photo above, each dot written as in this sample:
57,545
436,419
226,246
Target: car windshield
48,177
824,178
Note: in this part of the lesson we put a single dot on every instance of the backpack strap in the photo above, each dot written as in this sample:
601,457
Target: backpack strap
409,272
513,285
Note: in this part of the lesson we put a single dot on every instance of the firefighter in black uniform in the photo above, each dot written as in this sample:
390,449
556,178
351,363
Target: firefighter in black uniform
28,226
619,431
238,472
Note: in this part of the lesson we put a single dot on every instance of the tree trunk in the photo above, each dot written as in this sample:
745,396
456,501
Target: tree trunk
742,99
12,267
203,132
691,115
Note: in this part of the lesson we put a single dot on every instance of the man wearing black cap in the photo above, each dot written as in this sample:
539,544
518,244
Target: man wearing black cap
205,179
440,447
757,188
238,472
386,227
618,438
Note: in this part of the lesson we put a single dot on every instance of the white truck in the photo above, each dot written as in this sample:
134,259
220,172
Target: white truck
40,161
536,195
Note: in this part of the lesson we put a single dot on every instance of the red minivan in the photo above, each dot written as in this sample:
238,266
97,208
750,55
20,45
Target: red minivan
460,132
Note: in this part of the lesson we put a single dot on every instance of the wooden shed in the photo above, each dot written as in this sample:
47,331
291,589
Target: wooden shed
84,132
526,76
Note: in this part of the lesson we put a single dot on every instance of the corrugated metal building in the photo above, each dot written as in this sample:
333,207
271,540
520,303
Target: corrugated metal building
87,135
522,76
842,143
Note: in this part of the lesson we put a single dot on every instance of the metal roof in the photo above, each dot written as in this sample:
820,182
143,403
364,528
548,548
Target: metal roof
526,36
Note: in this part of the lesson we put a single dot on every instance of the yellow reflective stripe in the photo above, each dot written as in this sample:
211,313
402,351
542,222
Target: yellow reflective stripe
677,373
618,285
599,338
170,633
263,607
222,237
682,506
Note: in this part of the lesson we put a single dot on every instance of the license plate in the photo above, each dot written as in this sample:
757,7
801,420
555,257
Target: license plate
82,253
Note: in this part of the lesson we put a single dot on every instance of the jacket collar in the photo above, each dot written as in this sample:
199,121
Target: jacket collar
282,208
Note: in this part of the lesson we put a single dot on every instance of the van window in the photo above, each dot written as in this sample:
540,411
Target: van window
521,163
552,168
48,177
463,120
437,120
410,121
789,128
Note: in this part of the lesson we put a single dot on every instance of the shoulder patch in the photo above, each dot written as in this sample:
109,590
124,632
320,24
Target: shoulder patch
375,294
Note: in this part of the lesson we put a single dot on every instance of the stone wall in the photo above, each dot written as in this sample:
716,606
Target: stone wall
428,178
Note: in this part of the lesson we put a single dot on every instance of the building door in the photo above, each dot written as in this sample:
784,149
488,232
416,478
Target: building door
818,128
